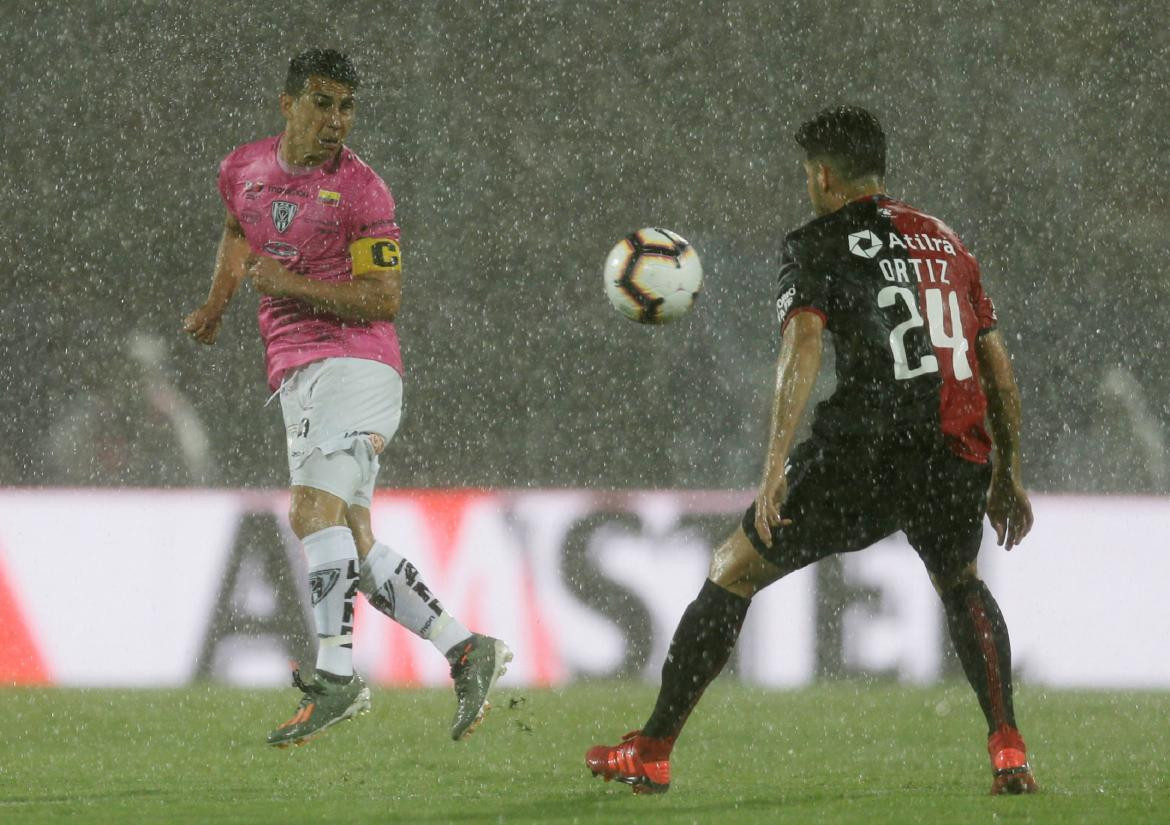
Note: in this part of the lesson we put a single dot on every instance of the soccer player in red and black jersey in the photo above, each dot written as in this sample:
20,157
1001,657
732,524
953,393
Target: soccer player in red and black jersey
900,445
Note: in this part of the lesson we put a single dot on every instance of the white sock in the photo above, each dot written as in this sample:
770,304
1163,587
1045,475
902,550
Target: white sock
333,574
393,586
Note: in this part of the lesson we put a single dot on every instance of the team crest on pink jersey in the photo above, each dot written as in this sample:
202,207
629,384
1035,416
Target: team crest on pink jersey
283,213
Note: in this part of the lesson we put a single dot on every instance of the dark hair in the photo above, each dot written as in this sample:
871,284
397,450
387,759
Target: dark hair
328,63
849,138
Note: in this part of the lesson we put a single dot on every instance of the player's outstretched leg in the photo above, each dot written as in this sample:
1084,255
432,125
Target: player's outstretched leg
980,636
476,663
394,587
701,646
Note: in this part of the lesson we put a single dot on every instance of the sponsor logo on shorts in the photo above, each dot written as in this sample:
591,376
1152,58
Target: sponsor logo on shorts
296,433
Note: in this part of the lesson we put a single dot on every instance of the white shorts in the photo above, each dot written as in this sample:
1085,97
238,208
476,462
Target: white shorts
330,409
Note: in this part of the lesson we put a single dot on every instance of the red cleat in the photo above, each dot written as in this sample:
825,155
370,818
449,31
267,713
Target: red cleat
1009,763
639,761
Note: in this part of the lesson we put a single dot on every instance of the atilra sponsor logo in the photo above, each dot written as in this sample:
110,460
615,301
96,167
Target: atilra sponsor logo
866,244
921,243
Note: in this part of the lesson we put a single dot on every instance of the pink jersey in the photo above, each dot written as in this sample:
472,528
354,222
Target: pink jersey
307,219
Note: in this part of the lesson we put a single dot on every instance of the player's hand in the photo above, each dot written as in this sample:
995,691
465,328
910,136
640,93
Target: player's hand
770,498
269,277
1009,510
203,325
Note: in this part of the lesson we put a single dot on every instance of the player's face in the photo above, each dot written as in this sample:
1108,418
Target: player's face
818,195
317,121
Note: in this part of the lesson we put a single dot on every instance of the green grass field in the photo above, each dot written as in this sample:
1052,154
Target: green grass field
856,753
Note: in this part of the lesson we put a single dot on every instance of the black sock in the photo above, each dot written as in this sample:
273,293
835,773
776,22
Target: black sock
701,646
980,637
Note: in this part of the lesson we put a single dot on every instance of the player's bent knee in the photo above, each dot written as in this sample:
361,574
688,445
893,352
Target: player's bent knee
958,579
737,567
312,510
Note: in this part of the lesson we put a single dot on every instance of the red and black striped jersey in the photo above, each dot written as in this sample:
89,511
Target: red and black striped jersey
902,299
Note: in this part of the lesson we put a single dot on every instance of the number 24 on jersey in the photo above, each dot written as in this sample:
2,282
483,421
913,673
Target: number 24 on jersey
937,322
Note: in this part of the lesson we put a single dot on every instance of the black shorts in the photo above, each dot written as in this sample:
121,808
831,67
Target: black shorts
848,494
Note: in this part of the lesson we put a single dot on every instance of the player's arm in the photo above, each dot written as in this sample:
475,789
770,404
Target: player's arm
374,294
230,259
796,374
1008,507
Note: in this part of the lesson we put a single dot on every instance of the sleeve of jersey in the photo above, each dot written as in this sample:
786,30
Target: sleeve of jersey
224,183
984,308
372,213
800,291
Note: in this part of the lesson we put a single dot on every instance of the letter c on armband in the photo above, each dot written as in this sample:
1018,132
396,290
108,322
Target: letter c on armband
375,255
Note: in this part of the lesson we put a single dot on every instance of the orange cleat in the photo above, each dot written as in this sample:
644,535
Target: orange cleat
1009,763
639,761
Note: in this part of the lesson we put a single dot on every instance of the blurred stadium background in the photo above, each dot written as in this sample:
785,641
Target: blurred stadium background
521,140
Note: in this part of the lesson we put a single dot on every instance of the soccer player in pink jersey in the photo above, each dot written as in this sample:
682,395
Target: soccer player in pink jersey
314,228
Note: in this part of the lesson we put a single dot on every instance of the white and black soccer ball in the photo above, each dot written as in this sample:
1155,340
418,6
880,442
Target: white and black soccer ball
653,276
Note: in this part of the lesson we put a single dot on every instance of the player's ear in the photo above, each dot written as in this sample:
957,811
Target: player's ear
286,104
824,177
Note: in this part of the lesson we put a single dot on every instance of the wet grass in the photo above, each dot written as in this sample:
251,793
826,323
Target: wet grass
841,753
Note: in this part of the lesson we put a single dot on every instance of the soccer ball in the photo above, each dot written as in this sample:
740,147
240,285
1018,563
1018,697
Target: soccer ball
653,276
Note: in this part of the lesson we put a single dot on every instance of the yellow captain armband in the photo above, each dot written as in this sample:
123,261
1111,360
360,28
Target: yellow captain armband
375,255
